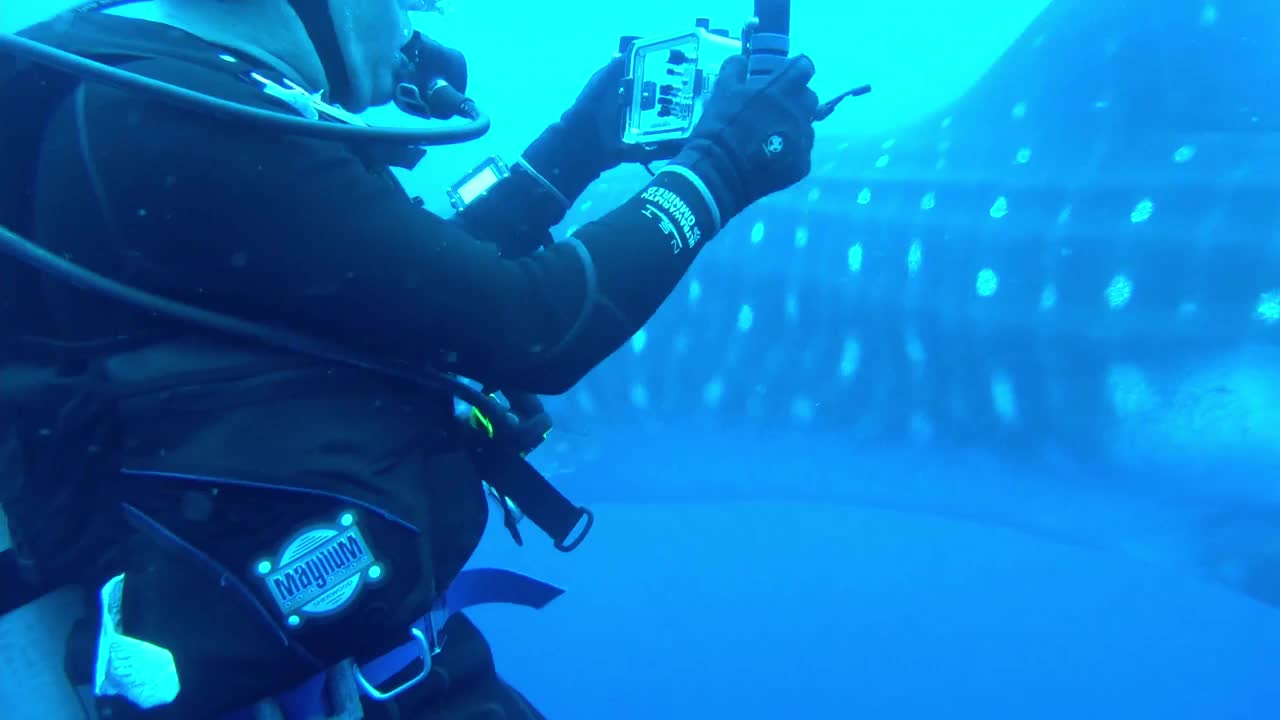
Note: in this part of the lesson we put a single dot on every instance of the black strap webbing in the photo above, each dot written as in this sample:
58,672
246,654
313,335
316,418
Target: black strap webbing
553,513
316,18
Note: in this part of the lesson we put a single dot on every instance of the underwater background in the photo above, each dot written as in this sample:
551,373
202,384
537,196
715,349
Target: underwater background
982,420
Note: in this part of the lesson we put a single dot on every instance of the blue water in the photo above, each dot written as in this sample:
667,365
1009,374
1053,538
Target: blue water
760,554
767,610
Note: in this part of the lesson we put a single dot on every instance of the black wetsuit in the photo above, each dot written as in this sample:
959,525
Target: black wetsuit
313,237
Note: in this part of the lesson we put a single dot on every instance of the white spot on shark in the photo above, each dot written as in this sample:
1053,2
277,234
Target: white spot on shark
757,233
915,256
855,258
988,282
802,409
713,392
929,201
882,161
1269,307
1048,297
746,317
695,292
639,396
1142,211
1000,208
1184,154
1129,390
1119,290
1019,111
639,340
586,402
1023,157
802,236
682,343
1209,15
850,357
915,351
864,197
1003,398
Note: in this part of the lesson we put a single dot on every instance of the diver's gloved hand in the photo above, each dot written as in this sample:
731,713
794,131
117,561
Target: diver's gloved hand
587,141
754,138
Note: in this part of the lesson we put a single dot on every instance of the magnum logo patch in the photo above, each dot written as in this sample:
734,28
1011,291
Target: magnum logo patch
320,571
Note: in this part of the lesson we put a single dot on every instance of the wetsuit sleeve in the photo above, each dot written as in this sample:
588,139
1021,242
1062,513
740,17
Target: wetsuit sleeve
302,234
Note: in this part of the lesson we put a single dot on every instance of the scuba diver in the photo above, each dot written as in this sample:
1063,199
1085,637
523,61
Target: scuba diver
233,345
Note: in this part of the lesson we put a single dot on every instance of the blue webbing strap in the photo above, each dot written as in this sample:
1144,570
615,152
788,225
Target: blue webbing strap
312,700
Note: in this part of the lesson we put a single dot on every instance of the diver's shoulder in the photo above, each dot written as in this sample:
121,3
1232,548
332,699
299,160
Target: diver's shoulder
201,78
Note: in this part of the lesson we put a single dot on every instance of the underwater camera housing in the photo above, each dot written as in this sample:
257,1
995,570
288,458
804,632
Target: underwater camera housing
668,78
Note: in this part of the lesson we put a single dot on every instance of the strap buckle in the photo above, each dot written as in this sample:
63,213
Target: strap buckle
427,637
381,696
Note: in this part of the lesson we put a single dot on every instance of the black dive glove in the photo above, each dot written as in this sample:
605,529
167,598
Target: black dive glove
755,136
587,141
517,213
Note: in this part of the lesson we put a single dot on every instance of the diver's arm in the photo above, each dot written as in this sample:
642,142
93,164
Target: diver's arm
300,234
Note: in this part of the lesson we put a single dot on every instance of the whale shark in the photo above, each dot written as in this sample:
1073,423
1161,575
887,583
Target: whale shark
1052,304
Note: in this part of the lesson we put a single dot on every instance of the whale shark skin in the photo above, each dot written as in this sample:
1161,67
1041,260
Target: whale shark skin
1052,304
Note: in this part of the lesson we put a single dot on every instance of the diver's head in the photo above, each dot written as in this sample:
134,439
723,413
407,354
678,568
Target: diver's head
351,48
